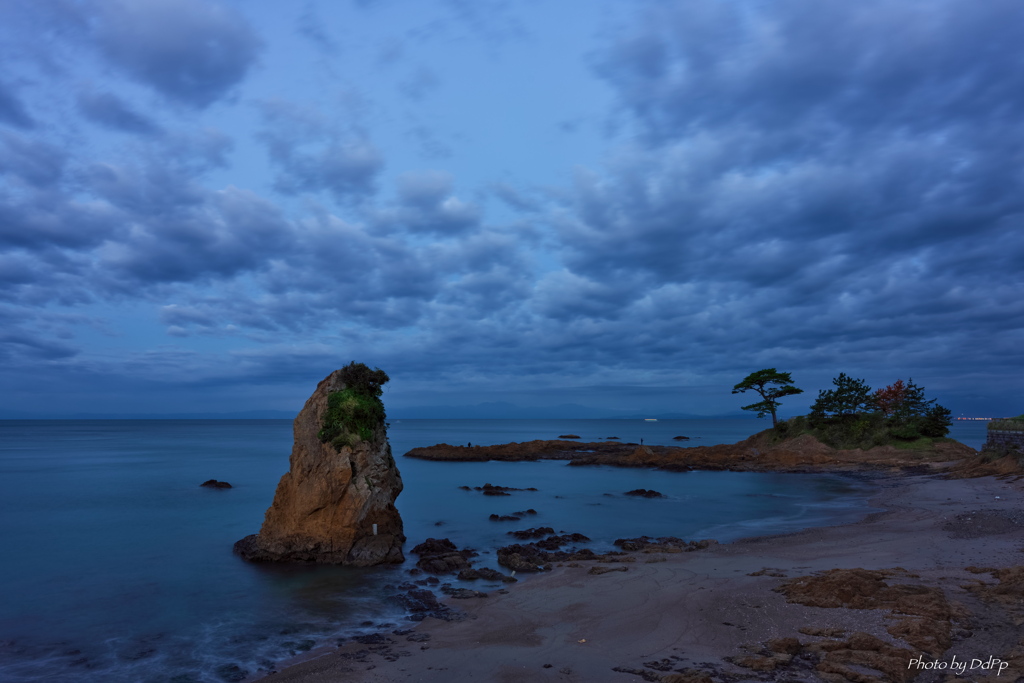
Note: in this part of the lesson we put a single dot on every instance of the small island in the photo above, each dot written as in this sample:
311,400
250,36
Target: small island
850,428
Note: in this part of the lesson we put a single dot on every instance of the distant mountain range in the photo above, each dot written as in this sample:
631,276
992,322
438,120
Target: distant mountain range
241,415
563,411
496,410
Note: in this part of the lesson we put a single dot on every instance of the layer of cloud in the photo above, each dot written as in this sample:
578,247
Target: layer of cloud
816,186
818,182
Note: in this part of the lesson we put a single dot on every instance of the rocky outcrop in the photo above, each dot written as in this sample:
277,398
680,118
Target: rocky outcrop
336,503
921,614
988,464
214,484
762,452
492,490
539,556
441,556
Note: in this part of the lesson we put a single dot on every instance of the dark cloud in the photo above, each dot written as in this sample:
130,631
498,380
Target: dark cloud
122,229
835,193
337,278
110,111
190,51
219,235
854,135
12,110
44,220
314,156
871,66
345,170
17,346
32,161
148,189
16,269
814,186
426,204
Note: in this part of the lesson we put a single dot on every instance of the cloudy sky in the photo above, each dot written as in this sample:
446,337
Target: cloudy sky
626,205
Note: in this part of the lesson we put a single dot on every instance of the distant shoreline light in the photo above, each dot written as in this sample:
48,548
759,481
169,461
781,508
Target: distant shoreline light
975,418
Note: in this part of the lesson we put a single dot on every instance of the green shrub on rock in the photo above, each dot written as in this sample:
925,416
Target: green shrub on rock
354,413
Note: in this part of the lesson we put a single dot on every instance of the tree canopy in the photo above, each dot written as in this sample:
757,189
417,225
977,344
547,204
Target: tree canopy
852,413
770,385
851,396
363,380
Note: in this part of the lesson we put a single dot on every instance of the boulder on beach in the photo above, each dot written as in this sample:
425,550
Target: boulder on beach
336,503
441,556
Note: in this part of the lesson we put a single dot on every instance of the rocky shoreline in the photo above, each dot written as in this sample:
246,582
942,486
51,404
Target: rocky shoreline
759,453
935,579
936,575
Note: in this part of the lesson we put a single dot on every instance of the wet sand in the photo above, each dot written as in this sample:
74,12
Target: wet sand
697,616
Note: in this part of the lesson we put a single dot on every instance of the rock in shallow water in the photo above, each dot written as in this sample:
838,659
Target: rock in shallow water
645,493
336,503
440,556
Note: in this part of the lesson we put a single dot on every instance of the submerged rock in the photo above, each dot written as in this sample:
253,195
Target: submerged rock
539,532
336,503
493,490
214,484
645,493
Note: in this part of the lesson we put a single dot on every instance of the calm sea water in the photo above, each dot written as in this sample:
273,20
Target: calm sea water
118,567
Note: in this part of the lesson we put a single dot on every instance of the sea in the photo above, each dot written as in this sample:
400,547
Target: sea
117,566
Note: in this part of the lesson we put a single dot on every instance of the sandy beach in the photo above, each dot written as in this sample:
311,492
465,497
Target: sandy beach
745,611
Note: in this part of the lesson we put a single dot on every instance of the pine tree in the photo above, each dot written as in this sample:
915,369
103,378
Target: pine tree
761,382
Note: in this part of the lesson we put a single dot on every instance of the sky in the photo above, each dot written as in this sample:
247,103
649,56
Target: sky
513,207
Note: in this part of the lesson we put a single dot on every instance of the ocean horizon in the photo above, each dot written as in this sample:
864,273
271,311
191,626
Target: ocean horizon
120,567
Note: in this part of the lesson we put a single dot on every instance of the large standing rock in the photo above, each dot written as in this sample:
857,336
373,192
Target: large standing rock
336,504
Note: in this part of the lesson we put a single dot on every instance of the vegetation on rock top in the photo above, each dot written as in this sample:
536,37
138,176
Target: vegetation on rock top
354,413
851,415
